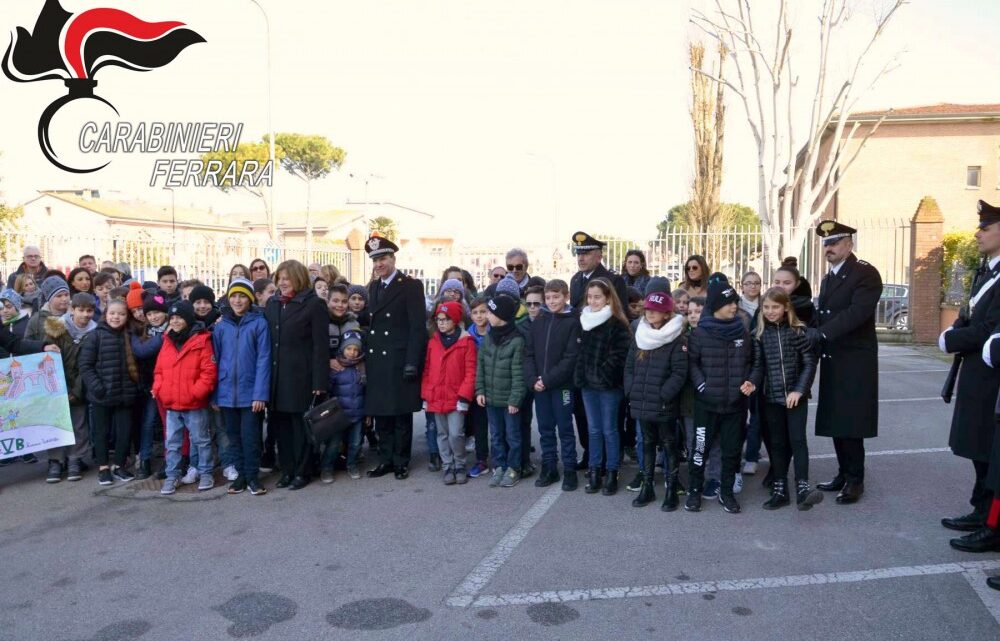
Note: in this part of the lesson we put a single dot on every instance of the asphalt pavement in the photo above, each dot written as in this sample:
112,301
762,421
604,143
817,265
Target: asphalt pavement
388,559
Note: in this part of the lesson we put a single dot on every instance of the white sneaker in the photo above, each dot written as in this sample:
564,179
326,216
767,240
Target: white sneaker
738,484
230,473
750,467
190,477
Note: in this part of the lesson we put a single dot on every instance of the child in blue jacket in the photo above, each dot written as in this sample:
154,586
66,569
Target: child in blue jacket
242,346
348,387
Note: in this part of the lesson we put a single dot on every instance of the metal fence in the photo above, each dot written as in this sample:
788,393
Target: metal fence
209,258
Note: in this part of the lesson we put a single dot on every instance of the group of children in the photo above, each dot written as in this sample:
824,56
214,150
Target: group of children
169,355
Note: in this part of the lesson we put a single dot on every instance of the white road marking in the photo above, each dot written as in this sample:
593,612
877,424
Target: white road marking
897,400
739,585
989,596
476,580
924,450
910,371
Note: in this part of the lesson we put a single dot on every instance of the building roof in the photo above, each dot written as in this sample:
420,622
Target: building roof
139,211
938,111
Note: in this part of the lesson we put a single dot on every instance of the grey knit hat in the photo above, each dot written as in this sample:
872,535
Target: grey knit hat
52,286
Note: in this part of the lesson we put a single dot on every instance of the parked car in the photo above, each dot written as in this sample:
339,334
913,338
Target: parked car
893,309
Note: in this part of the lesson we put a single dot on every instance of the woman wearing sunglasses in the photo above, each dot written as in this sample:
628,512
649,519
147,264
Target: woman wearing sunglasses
696,271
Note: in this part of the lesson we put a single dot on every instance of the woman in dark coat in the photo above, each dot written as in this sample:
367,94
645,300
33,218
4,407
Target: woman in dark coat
300,366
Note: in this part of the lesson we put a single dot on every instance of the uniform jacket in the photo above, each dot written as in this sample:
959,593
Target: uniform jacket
972,423
300,362
848,379
551,348
184,378
719,367
242,349
500,371
397,338
449,374
789,362
578,287
654,380
600,364
104,367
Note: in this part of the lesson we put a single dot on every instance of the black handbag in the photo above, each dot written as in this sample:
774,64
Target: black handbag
326,421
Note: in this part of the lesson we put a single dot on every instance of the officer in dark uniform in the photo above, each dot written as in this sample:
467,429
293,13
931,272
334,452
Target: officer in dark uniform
972,423
397,338
589,258
848,381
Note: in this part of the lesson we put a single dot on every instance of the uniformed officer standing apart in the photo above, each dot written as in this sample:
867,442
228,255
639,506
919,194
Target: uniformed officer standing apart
848,380
397,339
589,259
973,421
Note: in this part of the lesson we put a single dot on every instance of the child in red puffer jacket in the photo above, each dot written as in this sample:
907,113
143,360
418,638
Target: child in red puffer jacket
448,387
183,381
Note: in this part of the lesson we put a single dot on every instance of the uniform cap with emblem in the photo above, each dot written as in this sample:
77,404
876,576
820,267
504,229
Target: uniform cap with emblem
379,246
584,242
831,231
988,214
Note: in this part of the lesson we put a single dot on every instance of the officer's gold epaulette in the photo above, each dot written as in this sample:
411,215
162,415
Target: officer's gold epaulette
861,262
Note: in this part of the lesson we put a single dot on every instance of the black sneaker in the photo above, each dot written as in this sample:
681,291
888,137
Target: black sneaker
55,472
256,488
693,503
636,483
123,474
237,486
104,477
74,471
729,503
143,470
29,458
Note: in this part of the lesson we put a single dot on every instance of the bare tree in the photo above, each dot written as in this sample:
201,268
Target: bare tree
798,175
708,116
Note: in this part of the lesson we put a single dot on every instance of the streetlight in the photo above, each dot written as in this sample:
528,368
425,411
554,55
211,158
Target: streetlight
173,222
270,128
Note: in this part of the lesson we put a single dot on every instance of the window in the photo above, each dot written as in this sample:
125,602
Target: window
973,175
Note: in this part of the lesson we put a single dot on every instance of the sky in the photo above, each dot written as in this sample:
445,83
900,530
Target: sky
527,117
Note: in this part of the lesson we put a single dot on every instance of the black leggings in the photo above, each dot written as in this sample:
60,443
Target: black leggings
787,429
117,421
665,435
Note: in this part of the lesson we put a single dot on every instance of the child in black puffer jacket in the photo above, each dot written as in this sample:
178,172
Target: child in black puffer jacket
655,372
790,365
725,370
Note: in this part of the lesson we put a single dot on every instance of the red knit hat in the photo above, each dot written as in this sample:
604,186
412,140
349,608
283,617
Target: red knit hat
451,310
659,302
134,297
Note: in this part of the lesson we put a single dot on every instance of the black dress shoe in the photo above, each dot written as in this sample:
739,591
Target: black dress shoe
982,540
836,484
402,473
299,482
993,582
381,470
284,481
967,523
851,493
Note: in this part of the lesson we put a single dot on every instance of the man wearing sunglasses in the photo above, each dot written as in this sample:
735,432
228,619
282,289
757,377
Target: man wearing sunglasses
517,268
848,380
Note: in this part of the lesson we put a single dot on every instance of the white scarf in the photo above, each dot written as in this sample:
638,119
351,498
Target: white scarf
647,338
749,306
589,320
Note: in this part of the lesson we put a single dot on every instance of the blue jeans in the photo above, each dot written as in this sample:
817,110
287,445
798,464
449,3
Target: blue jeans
149,422
602,426
753,432
554,410
431,433
639,454
354,435
223,444
243,429
196,423
505,437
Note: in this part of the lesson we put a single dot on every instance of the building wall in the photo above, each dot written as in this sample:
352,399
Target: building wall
904,162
